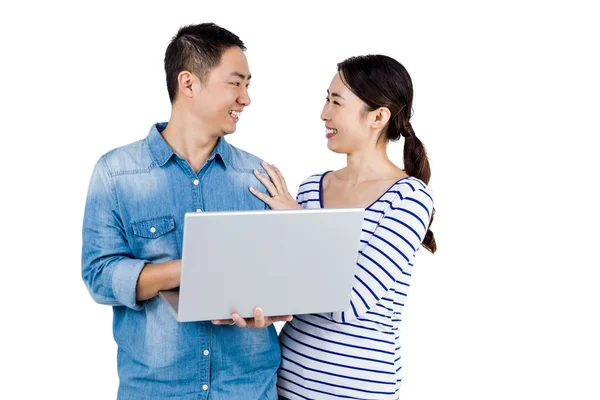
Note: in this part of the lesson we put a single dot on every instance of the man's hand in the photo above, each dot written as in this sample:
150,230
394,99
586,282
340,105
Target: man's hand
258,322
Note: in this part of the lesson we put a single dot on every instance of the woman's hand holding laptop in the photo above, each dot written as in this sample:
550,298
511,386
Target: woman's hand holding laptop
258,322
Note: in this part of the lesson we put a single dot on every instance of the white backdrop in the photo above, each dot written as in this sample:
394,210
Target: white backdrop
506,101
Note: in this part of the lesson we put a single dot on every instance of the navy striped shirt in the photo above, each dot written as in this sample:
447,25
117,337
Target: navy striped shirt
355,354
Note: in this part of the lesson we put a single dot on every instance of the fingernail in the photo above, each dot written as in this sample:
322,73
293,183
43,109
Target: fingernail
256,172
264,163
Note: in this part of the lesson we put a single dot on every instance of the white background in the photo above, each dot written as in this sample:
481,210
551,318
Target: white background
506,101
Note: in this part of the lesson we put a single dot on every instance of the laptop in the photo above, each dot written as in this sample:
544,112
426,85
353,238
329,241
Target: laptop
288,262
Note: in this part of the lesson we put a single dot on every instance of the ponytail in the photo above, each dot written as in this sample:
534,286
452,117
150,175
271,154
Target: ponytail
416,164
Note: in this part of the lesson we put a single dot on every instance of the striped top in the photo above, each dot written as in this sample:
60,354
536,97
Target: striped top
355,354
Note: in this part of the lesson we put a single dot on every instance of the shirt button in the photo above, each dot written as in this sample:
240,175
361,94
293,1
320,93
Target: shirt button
204,387
153,229
196,182
198,210
206,352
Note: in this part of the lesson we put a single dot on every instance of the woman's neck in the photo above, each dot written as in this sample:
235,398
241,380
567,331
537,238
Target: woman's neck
368,165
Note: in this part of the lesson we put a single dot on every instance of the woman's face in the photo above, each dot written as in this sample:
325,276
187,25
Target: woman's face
346,119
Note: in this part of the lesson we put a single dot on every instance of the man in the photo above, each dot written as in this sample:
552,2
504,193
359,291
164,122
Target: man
133,230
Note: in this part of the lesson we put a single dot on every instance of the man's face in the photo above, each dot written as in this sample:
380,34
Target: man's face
220,101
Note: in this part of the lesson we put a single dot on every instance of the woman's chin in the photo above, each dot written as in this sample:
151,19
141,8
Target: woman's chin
336,148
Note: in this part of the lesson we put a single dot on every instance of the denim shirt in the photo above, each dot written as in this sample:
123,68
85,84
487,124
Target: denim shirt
136,202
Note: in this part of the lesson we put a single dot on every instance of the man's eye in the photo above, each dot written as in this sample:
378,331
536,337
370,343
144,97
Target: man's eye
235,83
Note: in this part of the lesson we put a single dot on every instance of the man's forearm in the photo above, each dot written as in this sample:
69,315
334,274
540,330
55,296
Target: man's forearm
157,277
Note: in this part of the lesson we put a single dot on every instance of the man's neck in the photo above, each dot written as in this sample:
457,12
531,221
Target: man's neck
190,140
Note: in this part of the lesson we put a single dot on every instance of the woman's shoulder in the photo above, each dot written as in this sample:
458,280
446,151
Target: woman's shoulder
310,189
413,190
313,180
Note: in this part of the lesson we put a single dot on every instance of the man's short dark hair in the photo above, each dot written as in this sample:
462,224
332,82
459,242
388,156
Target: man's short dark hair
198,49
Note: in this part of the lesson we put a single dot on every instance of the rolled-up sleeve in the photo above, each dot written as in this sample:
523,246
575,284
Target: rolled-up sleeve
108,268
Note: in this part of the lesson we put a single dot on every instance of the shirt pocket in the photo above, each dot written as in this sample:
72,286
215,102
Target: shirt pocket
154,238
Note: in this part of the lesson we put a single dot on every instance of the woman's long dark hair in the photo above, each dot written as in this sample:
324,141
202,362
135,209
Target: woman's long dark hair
381,81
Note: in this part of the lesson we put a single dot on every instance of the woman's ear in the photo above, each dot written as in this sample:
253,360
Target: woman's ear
380,117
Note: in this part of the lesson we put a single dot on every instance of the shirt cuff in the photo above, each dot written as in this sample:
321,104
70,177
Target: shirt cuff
124,282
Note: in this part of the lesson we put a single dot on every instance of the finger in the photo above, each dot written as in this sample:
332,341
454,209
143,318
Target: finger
282,318
281,178
262,196
271,188
259,318
222,321
274,176
239,321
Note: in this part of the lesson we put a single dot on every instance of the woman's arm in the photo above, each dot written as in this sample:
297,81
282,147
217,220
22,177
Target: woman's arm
386,259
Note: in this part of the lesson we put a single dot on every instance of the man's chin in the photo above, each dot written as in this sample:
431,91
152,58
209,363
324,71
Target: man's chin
228,131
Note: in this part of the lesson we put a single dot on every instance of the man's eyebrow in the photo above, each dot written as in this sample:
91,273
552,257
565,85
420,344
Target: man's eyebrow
239,75
334,94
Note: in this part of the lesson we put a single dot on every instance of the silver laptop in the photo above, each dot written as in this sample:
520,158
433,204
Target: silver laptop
285,261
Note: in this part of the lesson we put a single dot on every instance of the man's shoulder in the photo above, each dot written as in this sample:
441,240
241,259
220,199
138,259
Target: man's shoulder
243,161
128,159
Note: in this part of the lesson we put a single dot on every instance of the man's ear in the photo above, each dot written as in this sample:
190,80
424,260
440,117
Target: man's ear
185,81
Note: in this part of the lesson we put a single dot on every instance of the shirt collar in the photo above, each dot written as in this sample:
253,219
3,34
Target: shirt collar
162,152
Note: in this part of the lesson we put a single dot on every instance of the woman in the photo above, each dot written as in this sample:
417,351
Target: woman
356,353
